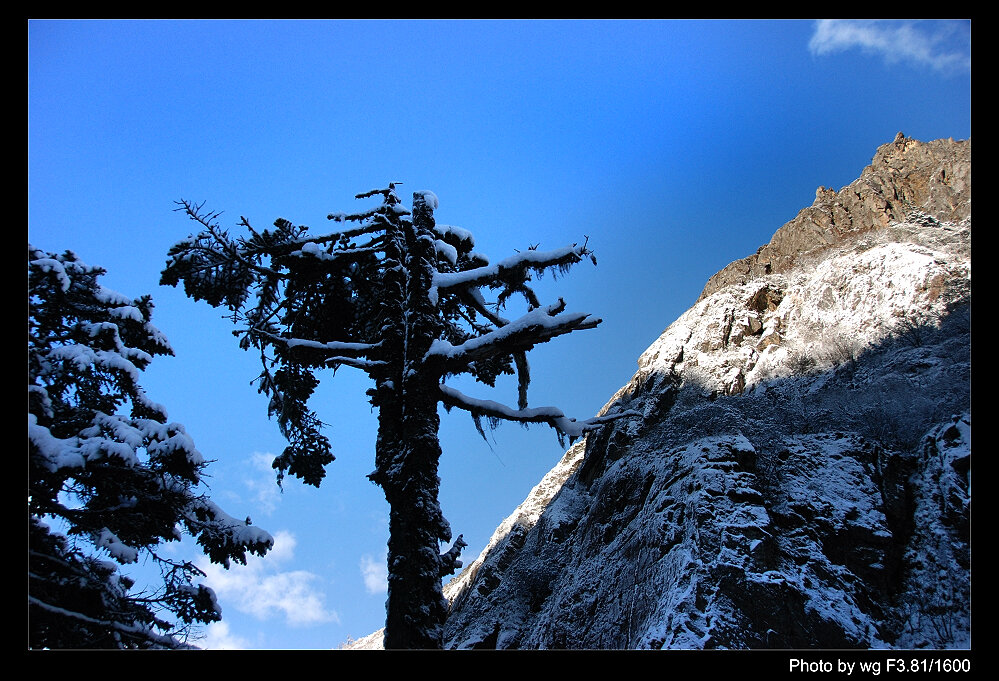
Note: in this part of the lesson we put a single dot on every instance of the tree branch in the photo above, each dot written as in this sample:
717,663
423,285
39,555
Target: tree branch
367,365
535,327
353,350
553,416
128,629
316,252
228,247
449,560
513,268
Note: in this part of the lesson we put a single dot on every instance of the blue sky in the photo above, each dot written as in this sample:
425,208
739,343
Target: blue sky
675,146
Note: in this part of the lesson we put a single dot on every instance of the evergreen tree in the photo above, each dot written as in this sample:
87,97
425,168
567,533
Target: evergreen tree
107,485
401,298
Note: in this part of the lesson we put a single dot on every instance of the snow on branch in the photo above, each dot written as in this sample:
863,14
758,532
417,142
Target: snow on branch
390,200
473,298
333,353
290,240
138,630
537,326
456,233
515,267
218,245
351,350
223,537
449,559
311,248
553,416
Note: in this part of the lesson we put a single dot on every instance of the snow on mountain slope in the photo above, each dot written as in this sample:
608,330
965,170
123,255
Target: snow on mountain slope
800,474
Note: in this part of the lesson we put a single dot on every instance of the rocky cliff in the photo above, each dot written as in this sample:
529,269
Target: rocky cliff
907,174
799,476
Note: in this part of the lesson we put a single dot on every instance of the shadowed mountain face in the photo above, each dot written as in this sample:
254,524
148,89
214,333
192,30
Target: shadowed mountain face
799,475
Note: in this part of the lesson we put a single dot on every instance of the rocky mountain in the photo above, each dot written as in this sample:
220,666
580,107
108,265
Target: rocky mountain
799,474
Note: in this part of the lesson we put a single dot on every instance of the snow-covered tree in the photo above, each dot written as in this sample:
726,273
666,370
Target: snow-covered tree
401,298
110,479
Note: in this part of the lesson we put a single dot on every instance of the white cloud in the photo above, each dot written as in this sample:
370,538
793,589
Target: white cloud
259,589
264,488
944,46
219,637
375,574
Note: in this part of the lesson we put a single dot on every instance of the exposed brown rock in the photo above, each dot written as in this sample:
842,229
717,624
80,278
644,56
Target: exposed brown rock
905,175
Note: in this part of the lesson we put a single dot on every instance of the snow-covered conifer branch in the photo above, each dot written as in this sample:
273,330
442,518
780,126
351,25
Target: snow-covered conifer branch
537,326
368,365
221,536
133,630
449,559
513,268
310,248
333,353
335,347
473,298
224,246
553,416
121,483
213,248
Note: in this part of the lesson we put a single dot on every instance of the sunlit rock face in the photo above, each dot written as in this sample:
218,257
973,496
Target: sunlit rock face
906,174
799,473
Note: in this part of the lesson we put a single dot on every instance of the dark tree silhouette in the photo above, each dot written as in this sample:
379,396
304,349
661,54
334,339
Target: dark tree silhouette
401,298
107,485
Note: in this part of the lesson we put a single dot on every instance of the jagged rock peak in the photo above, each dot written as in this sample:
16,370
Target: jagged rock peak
905,175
